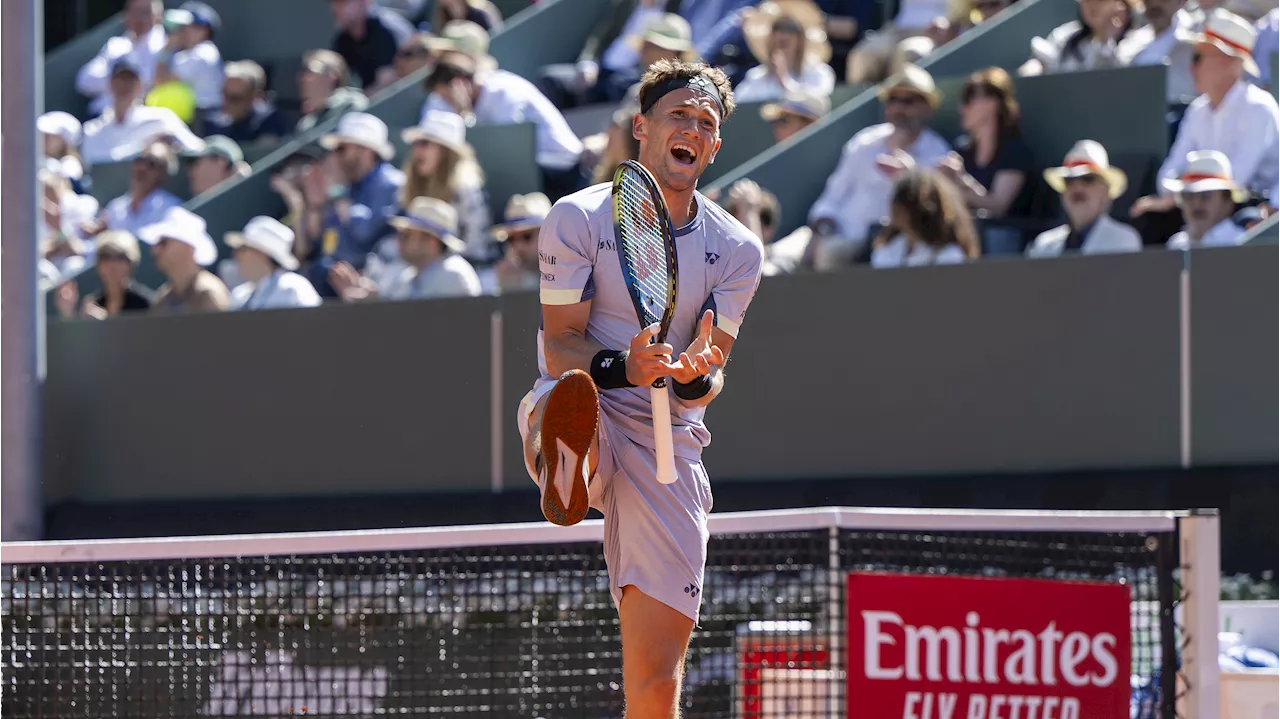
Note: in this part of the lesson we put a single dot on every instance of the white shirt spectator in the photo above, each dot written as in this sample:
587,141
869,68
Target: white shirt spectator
1105,236
280,290
508,99
201,69
1268,44
93,79
760,85
449,276
107,139
1244,127
1148,48
894,254
857,194
153,208
1224,234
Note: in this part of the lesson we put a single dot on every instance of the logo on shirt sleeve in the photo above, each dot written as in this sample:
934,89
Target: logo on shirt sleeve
712,258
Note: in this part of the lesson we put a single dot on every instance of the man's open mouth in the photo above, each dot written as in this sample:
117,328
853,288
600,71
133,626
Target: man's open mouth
684,154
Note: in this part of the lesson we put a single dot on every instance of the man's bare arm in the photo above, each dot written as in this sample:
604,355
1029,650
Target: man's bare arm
564,337
566,346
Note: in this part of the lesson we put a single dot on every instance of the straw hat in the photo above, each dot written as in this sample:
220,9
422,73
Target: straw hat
441,127
360,128
523,212
433,216
801,103
757,26
669,32
1084,159
268,236
186,227
467,38
912,78
1229,33
1207,171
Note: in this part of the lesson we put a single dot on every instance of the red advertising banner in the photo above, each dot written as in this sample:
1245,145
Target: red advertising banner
942,647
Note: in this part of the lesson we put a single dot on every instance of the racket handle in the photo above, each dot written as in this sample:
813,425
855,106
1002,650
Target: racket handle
662,436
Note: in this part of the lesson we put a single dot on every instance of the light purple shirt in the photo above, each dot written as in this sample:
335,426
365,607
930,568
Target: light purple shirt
719,269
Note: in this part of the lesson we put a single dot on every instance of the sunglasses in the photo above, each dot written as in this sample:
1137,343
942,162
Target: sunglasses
523,236
901,99
112,257
973,92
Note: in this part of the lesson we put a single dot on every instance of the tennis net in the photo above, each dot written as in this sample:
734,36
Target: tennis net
516,620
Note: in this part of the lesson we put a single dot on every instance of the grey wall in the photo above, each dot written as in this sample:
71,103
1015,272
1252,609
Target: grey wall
1001,366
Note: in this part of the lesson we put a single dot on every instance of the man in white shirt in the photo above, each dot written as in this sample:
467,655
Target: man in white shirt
143,40
467,81
1088,184
1156,43
190,55
1208,198
1231,115
147,202
264,256
127,126
427,234
858,192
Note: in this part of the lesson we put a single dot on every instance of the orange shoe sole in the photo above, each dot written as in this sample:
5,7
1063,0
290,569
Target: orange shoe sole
570,420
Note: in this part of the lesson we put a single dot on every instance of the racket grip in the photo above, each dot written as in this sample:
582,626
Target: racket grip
662,436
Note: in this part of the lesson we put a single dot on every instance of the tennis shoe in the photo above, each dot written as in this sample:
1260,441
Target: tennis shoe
569,424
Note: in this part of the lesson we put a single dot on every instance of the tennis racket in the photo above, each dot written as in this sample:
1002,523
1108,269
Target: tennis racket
647,253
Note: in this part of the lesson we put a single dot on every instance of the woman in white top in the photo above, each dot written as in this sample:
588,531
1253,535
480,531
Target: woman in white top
62,133
788,40
264,256
442,165
1093,42
928,224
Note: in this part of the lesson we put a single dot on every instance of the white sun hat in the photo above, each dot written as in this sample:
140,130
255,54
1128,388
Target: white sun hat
1207,171
433,216
1229,33
1087,158
186,227
360,128
268,236
441,127
61,124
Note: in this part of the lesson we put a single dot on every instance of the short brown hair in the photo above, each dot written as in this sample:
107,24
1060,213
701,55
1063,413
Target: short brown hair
673,69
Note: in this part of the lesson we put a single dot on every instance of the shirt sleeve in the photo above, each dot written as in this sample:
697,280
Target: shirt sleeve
732,295
840,185
565,256
1183,143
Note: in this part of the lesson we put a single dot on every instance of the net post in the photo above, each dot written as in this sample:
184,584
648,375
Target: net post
1198,692
22,362
835,628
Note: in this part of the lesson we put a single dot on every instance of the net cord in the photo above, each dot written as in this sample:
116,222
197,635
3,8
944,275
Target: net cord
487,535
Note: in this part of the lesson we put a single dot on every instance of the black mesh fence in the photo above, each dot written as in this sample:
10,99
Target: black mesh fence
500,631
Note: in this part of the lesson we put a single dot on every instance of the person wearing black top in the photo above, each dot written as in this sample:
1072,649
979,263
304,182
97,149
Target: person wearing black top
368,37
117,258
994,167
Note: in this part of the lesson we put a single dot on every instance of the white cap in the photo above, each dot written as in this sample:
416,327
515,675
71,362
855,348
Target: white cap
268,236
62,124
360,128
441,127
186,227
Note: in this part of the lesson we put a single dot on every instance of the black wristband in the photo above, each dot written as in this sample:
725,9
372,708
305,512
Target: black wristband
609,369
695,390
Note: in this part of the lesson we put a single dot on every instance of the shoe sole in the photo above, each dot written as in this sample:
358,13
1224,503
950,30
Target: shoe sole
570,418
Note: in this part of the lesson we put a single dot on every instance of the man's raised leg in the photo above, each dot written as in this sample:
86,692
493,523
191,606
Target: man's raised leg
562,445
655,638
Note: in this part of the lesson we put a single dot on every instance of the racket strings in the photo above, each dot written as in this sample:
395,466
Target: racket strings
643,245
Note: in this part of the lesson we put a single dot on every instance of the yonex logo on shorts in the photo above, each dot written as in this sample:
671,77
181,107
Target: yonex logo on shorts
692,590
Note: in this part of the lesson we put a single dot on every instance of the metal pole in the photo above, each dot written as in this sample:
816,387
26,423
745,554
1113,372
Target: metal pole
21,306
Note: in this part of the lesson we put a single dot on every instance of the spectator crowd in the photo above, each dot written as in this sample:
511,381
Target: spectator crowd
362,221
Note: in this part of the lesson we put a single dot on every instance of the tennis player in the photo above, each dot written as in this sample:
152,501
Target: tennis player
587,423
